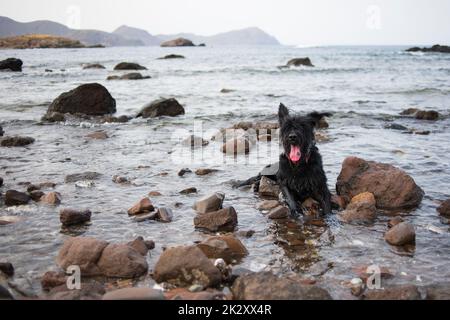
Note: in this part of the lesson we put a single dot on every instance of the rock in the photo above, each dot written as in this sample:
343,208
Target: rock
90,99
182,172
5,220
268,188
279,212
185,294
204,171
184,266
364,272
178,42
143,206
396,126
129,66
435,48
141,246
120,119
11,64
98,135
267,286
93,66
16,141
129,76
357,286
145,217
222,220
155,194
421,114
52,279
443,209
236,146
360,210
36,195
110,78
122,261
46,185
5,294
7,268
134,294
1,131
172,56
164,214
268,204
89,175
54,117
224,90
401,234
53,198
120,180
226,247
194,142
209,203
162,107
189,190
311,207
393,188
394,221
245,233
16,198
1,181
89,291
84,252
69,217
402,292
438,291
338,202
296,62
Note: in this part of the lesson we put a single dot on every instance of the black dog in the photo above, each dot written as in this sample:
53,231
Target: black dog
300,174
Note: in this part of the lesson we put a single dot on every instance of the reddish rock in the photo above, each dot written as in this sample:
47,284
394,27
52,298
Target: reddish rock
164,214
209,203
122,261
226,247
52,198
185,294
143,206
404,292
444,208
360,210
142,293
393,188
268,204
394,221
338,201
279,212
52,279
221,220
69,217
155,194
401,234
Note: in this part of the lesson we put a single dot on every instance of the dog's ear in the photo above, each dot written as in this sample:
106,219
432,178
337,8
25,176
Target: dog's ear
283,113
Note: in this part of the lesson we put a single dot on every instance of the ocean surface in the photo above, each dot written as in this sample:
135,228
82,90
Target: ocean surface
364,87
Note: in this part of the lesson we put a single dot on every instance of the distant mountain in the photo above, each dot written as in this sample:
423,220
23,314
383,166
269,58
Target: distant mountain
248,36
10,27
128,36
137,34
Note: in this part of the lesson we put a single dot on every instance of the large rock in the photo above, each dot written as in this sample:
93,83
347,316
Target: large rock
16,198
16,141
11,64
178,42
296,62
186,265
227,247
162,107
435,48
52,279
99,258
267,286
393,188
402,292
361,209
222,220
69,217
142,293
268,188
209,203
129,66
443,209
90,99
401,234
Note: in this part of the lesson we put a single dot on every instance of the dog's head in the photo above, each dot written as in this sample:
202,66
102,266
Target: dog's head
297,134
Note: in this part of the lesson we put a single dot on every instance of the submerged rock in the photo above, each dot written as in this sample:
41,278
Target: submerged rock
443,209
392,187
89,175
142,293
438,291
360,210
164,214
184,266
421,114
162,107
296,62
401,234
189,190
435,48
89,99
11,64
129,76
221,220
267,286
129,66
227,247
209,203
98,135
172,56
93,66
69,217
16,198
401,292
178,42
16,141
204,171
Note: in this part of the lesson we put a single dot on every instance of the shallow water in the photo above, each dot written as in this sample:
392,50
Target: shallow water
365,88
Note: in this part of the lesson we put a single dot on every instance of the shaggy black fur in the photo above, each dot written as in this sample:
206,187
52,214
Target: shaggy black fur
305,178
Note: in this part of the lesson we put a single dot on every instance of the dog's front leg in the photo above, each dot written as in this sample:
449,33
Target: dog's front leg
325,202
290,200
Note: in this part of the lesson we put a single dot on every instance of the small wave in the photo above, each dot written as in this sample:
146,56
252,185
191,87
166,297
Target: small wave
415,91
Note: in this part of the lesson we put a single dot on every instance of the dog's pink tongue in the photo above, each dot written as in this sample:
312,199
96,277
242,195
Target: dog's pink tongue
295,154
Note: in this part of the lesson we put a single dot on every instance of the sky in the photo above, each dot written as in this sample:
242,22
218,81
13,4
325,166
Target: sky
292,22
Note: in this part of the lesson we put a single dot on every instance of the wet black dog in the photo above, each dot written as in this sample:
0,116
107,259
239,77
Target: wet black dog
300,174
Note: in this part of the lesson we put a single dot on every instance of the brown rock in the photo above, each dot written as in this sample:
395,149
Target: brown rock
134,294
189,190
296,62
268,188
266,286
178,42
279,212
209,203
394,221
162,107
16,198
393,188
360,210
444,208
438,291
145,217
98,135
268,204
245,233
52,198
236,146
401,234
363,273
204,171
69,217
155,194
141,246
52,279
89,291
222,220
404,292
16,141
129,66
185,294
427,115
164,214
122,261
93,66
183,171
227,247
120,179
143,206
5,220
184,266
311,207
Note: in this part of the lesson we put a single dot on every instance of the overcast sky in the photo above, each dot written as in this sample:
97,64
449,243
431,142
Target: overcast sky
291,21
